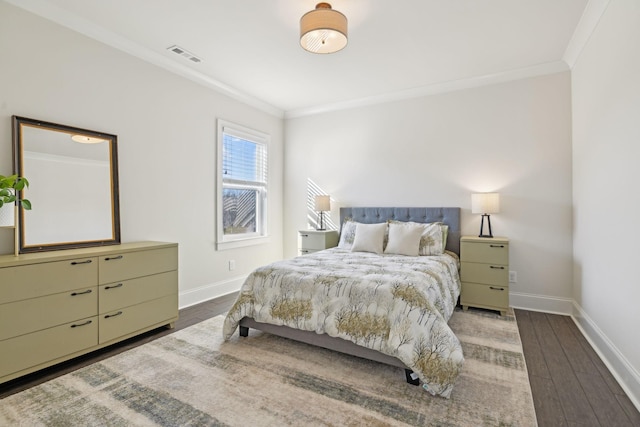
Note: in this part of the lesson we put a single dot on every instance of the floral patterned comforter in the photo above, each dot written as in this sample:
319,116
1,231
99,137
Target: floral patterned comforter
395,304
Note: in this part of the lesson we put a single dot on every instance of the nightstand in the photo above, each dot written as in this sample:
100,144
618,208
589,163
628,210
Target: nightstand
484,272
310,241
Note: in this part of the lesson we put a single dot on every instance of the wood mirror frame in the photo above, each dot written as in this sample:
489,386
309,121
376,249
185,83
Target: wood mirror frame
73,186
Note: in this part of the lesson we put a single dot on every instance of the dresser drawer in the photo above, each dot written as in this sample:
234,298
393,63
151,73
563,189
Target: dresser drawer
23,317
311,241
485,252
35,280
485,296
128,265
131,292
132,319
317,240
33,349
484,273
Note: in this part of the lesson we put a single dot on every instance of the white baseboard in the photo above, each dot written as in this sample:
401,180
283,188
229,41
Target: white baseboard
208,292
626,375
547,304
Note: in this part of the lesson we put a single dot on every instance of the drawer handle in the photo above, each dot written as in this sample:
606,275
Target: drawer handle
496,289
496,268
113,315
496,246
119,285
77,325
81,262
88,291
304,251
113,257
304,235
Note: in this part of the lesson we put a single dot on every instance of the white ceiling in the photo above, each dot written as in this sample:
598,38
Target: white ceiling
250,48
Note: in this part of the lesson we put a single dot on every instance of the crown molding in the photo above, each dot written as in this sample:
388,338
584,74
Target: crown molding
588,22
66,19
585,28
437,88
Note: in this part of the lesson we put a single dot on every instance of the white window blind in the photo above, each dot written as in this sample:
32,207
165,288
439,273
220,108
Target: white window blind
243,182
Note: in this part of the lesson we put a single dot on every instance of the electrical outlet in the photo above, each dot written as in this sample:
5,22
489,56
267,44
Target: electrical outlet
232,265
513,276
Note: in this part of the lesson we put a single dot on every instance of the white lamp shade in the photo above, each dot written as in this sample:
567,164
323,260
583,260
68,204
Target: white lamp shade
485,203
323,30
7,215
323,203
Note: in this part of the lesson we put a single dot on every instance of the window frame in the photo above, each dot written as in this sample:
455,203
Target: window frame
261,235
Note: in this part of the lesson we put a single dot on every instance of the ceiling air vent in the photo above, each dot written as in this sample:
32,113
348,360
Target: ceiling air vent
184,53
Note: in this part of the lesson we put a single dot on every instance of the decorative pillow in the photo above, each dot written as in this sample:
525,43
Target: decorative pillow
404,239
445,234
369,238
432,241
347,234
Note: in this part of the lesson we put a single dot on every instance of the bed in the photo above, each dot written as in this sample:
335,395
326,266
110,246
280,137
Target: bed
391,308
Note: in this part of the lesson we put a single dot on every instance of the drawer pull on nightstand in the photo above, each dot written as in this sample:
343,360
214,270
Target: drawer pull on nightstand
496,246
81,262
77,325
496,289
113,315
113,257
119,285
304,235
496,267
88,291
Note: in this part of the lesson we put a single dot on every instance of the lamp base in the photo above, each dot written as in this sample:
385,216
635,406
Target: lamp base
490,235
321,226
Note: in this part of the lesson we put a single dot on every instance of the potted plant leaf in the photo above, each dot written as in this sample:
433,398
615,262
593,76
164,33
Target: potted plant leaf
9,188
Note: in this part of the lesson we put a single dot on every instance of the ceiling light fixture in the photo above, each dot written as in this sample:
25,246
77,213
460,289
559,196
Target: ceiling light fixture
323,30
84,139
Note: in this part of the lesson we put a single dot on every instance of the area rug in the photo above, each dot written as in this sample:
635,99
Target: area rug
194,378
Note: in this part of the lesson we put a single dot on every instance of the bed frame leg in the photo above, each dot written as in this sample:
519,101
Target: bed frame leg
244,331
410,377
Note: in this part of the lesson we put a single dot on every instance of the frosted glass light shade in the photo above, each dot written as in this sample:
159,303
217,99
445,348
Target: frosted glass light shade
84,139
323,203
323,30
485,203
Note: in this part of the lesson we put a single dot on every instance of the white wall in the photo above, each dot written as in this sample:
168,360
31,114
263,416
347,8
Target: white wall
166,128
513,138
606,148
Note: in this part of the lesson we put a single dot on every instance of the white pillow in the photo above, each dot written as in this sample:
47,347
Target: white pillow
369,238
434,237
404,239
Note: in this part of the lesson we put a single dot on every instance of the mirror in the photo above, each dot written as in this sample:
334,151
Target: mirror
73,177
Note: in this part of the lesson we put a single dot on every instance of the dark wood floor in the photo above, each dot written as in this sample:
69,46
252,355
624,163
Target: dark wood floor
570,384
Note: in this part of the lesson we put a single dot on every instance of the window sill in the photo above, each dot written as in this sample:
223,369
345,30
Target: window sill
241,243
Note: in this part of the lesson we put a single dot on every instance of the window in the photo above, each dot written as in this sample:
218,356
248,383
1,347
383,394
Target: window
242,186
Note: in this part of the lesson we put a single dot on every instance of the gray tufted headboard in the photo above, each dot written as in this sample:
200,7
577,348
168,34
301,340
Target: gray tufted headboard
449,216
